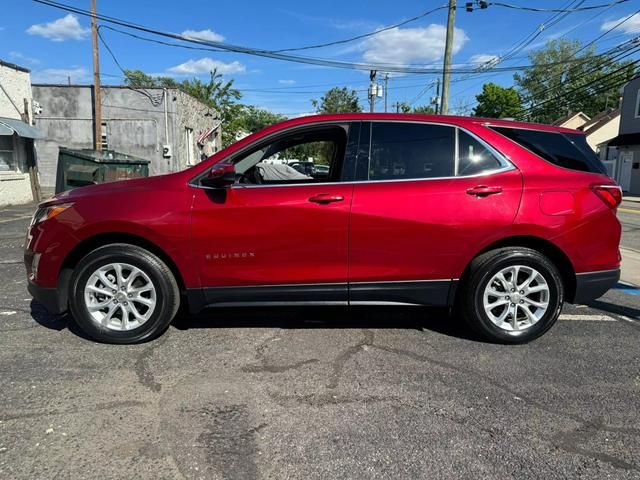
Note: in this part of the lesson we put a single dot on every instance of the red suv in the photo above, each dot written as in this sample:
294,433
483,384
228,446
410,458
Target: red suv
502,220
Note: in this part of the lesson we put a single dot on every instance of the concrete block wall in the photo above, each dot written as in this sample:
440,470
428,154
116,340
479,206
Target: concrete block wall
139,122
16,102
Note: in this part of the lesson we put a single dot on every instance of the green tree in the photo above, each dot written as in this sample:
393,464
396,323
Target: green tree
405,107
216,93
139,79
567,78
424,109
253,118
221,96
338,100
498,102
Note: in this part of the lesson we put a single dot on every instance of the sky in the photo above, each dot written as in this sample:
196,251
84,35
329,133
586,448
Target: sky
56,45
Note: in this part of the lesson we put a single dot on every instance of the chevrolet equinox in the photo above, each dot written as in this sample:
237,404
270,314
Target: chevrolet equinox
500,221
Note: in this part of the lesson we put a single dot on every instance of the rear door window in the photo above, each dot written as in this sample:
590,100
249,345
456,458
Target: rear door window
411,150
474,157
566,150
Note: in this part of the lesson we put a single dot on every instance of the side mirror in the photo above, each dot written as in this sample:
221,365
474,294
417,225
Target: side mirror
221,175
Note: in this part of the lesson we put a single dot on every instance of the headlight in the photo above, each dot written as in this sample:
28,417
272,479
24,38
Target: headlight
45,213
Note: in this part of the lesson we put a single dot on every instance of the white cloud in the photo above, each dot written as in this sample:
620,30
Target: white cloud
632,25
484,58
61,75
206,65
287,82
207,35
410,45
65,28
19,57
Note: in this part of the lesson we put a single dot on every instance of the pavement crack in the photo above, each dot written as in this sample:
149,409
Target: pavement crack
328,398
268,368
142,369
70,411
601,426
342,359
569,442
277,368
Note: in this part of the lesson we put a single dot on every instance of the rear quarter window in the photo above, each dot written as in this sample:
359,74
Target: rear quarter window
566,150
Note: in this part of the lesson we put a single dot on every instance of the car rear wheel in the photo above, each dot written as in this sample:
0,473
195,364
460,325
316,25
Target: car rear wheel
122,293
512,295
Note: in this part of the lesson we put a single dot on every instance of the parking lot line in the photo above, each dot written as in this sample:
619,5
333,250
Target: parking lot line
629,210
589,318
627,288
15,218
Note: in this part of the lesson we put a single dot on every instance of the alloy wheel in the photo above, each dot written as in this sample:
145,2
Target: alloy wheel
516,298
120,296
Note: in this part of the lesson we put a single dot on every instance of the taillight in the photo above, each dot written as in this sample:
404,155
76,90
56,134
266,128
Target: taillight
609,194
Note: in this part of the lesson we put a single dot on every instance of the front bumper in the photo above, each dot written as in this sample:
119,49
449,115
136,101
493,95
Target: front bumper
48,297
592,285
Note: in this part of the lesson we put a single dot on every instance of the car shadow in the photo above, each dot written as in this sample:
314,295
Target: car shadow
328,317
55,322
633,313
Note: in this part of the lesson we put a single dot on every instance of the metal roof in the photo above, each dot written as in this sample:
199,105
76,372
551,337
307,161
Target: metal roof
10,125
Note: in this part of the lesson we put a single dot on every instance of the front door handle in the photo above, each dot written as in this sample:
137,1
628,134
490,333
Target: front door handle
483,190
326,198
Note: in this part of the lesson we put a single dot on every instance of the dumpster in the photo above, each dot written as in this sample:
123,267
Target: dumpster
77,168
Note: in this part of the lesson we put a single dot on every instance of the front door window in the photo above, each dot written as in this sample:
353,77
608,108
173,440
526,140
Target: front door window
308,156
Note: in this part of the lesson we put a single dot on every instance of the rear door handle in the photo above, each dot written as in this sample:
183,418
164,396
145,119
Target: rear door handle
326,198
483,190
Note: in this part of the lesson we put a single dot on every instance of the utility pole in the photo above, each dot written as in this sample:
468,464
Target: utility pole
373,89
97,104
448,50
386,89
437,94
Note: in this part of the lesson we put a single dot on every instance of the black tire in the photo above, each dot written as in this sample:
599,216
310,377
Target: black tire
164,282
482,270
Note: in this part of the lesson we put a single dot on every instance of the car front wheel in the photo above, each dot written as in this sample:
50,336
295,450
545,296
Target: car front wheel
122,293
512,295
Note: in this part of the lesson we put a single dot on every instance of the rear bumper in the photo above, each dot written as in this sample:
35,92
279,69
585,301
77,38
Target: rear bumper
592,285
48,297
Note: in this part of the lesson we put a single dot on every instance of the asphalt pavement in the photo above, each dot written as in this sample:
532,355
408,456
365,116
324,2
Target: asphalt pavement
629,215
318,393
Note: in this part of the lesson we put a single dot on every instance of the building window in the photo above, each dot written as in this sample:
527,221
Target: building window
7,154
637,111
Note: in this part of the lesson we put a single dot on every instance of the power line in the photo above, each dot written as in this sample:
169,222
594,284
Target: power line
216,50
267,53
427,71
528,39
596,67
617,74
592,42
537,9
617,25
364,35
242,49
545,26
255,90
